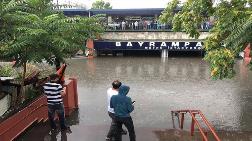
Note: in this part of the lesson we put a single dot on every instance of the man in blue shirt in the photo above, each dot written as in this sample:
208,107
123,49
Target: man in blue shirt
123,106
110,92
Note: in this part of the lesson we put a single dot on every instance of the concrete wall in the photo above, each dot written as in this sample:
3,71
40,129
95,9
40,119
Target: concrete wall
150,36
4,104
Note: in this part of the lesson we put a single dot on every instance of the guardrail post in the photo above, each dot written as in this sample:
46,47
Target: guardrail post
193,113
182,120
203,137
192,125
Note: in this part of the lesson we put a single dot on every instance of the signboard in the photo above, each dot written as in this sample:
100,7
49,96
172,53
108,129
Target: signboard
149,45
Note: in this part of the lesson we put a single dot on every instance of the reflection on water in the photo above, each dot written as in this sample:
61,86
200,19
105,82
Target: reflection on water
173,135
53,136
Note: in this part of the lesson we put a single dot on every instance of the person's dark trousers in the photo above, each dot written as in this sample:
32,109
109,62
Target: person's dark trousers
128,122
52,109
113,126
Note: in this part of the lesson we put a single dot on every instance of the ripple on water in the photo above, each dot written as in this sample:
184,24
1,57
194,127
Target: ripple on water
161,86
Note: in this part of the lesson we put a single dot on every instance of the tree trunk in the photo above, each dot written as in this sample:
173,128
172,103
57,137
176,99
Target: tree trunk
21,96
57,64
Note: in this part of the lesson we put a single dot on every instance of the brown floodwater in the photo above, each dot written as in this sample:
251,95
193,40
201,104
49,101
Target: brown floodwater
158,85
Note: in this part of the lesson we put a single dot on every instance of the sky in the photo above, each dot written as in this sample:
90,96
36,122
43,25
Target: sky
121,4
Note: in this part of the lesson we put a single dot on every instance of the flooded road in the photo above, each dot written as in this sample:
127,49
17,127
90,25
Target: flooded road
159,86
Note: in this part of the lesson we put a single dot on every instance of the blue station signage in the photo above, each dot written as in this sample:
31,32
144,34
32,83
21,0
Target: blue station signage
149,45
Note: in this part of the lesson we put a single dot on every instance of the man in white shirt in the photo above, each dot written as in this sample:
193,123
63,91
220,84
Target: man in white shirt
136,25
123,25
110,92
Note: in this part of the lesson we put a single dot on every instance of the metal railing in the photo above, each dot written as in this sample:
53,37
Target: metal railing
163,29
181,117
152,28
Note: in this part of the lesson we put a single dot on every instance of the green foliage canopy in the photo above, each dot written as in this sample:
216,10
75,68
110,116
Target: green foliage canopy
100,4
229,36
33,31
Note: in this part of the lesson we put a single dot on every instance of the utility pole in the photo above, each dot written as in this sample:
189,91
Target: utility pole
57,4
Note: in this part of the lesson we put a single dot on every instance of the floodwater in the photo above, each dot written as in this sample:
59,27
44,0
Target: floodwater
158,85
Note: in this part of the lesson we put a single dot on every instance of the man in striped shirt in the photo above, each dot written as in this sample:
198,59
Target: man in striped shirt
54,92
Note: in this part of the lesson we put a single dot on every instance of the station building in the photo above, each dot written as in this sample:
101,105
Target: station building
138,30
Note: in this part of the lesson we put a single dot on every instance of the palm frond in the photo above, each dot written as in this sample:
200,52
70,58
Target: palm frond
12,5
236,37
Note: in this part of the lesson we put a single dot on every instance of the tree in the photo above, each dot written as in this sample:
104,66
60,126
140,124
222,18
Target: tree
230,34
45,33
6,21
38,33
100,4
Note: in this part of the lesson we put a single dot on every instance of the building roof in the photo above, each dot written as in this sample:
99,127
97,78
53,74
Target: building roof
128,12
115,12
72,12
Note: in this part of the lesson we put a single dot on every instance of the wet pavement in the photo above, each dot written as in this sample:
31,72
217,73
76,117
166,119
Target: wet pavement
97,133
158,86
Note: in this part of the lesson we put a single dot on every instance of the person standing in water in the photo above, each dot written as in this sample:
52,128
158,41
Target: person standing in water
110,92
55,93
123,106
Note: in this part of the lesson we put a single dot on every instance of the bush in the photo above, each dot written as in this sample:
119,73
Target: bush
31,93
7,71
